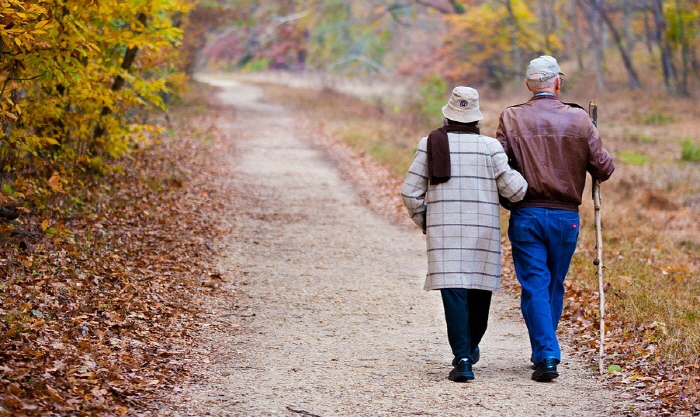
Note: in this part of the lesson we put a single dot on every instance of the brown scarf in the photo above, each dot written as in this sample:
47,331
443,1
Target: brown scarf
439,167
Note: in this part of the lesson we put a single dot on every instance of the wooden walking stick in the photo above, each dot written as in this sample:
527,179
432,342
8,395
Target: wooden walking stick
598,261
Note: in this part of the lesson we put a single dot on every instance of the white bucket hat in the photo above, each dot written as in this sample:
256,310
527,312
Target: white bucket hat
463,106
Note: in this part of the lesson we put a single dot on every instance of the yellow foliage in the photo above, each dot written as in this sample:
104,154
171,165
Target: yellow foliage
491,39
58,86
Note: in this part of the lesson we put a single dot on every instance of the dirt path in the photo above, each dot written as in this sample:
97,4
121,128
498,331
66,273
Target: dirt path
332,319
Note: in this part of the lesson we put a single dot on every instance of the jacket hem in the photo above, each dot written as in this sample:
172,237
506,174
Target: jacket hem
550,204
472,287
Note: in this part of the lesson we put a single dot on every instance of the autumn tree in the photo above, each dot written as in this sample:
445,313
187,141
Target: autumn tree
681,40
74,75
493,53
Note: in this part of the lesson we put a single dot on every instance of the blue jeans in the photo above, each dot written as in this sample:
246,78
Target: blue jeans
544,241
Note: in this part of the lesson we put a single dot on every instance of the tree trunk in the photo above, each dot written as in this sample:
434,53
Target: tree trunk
513,29
666,64
576,40
544,20
683,86
648,33
593,27
626,59
626,24
695,63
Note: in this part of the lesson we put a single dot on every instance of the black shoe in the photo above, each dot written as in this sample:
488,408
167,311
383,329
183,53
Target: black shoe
462,372
532,361
476,355
546,370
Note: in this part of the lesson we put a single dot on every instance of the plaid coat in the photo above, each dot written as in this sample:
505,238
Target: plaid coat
462,215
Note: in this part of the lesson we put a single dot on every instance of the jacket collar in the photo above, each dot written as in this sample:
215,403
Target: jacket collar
543,95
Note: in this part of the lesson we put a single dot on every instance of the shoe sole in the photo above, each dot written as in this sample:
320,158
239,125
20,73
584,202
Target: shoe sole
461,378
547,376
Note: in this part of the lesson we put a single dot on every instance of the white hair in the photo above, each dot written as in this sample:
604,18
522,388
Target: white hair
542,85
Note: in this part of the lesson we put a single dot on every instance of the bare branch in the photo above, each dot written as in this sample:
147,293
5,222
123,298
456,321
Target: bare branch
455,9
282,20
360,58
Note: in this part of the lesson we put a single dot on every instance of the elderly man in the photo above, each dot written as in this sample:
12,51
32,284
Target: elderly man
552,144
451,191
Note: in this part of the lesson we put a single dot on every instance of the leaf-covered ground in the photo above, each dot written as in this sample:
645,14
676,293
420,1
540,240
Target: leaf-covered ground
93,321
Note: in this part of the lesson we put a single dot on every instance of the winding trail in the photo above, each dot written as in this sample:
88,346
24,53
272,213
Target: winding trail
333,320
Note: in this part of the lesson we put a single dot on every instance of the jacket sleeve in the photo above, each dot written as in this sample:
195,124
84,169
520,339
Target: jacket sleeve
501,134
502,137
415,185
510,183
600,164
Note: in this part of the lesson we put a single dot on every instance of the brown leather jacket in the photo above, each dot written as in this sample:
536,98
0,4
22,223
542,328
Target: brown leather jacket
553,144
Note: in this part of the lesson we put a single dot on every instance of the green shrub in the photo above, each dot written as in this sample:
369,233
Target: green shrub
433,95
646,139
257,65
690,151
633,158
659,119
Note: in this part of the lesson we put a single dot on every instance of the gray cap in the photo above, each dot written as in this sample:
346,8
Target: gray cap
543,68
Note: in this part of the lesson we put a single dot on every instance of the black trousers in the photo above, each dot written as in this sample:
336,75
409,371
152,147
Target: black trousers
467,315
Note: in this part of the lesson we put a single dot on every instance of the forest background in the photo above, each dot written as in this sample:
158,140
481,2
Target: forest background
91,152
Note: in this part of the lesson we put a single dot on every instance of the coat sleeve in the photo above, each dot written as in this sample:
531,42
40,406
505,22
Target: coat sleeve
600,164
511,184
416,185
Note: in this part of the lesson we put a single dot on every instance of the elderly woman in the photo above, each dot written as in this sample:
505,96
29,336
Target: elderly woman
452,192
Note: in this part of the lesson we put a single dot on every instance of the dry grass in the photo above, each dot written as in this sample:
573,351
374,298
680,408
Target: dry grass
387,136
651,212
